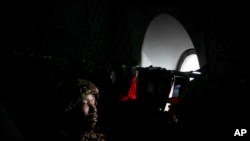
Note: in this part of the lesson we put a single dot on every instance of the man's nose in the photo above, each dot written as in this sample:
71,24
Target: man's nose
93,108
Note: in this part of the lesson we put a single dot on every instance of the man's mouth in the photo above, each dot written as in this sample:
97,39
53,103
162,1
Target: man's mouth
93,118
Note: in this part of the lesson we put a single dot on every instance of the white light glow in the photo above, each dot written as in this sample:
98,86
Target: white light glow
164,42
190,63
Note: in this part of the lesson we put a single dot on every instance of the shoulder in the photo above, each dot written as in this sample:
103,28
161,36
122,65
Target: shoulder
89,136
101,137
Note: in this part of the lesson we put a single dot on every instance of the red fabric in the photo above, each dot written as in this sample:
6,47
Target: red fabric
132,91
173,100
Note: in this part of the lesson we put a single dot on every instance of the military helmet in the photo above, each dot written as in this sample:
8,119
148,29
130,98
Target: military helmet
83,88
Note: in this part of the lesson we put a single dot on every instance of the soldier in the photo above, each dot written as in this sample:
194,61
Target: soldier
80,117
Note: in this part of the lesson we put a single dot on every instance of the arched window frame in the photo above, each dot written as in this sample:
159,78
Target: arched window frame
184,55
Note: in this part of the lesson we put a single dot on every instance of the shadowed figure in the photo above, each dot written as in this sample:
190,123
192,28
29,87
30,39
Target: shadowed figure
80,117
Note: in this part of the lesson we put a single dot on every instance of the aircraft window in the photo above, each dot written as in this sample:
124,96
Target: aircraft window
190,63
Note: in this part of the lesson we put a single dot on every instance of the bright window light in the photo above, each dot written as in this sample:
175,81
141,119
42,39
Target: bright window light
190,63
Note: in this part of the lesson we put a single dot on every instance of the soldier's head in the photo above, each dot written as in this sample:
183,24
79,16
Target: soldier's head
87,94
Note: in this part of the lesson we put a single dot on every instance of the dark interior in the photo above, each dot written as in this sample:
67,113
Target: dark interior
48,43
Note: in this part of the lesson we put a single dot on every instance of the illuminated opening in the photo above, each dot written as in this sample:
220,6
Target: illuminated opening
190,63
164,42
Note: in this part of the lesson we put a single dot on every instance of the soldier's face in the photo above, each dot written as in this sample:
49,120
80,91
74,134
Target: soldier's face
89,108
